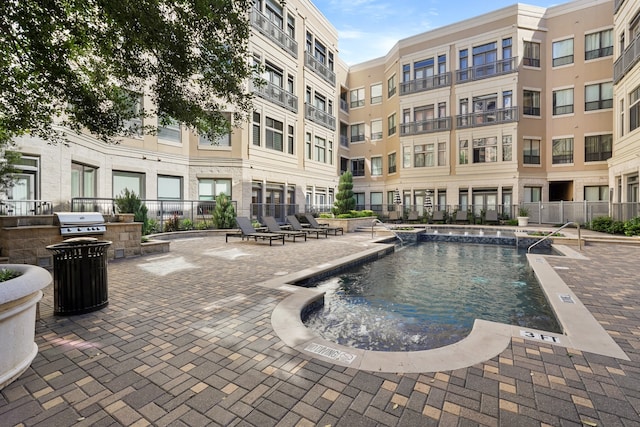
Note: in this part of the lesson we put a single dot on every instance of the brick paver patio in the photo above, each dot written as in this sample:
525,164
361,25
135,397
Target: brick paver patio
187,340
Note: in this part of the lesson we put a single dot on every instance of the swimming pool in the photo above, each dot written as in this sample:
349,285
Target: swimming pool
428,295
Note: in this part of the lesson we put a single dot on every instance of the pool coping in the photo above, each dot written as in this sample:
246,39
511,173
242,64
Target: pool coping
581,331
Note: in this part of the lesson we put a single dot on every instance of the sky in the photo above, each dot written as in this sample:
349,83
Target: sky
368,29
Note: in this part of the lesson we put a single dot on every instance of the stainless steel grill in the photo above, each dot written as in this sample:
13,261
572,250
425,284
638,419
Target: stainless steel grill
80,223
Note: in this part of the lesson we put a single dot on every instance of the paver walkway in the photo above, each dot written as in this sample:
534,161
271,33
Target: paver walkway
187,340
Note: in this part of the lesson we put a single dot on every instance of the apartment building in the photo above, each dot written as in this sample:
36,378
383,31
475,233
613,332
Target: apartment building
512,106
508,107
624,166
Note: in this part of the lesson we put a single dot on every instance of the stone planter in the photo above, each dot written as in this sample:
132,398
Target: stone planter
348,224
523,221
126,217
18,299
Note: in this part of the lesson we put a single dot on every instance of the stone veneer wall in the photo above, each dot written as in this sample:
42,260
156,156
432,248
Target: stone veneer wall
23,239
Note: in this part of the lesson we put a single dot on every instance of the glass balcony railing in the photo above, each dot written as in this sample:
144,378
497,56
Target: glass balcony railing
484,71
487,118
429,83
425,126
273,32
277,95
626,61
320,69
318,116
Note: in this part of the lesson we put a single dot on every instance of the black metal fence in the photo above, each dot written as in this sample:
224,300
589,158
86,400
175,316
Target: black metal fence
26,207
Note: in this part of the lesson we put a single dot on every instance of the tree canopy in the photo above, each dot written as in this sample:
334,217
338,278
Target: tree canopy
345,202
82,65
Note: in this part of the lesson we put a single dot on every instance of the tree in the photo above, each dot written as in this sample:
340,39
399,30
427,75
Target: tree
81,65
129,202
345,202
224,214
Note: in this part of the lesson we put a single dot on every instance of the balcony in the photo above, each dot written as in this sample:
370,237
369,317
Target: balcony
319,68
269,29
626,61
487,118
277,95
344,105
485,71
429,83
318,116
616,5
425,126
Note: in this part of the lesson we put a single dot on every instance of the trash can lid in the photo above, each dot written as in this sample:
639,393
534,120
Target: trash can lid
80,240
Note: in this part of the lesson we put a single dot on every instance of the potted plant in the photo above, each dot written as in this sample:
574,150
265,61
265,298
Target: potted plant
523,217
20,290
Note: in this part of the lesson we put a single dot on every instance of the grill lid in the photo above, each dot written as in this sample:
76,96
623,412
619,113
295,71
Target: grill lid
80,223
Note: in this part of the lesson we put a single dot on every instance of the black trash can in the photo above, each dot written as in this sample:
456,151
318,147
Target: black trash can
79,275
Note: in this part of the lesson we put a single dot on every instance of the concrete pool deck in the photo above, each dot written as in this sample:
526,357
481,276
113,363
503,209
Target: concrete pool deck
188,339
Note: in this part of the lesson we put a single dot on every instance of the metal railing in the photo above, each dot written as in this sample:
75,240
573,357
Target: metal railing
428,83
550,235
377,221
627,60
426,126
277,95
158,210
320,69
269,29
318,116
277,210
487,118
484,71
26,207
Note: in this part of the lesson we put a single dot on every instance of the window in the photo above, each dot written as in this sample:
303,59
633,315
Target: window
357,167
391,160
598,45
392,124
376,200
273,74
442,154
391,86
376,93
484,59
273,137
464,111
357,98
344,165
256,129
376,130
531,56
209,188
169,130
531,152
169,187
485,150
463,152
291,26
562,52
330,152
423,69
274,12
634,109
134,113
507,148
290,141
562,151
223,140
307,145
423,155
406,73
562,101
531,102
406,157
596,193
359,198
464,65
320,148
507,53
132,181
357,132
598,96
597,148
83,180
532,194
376,166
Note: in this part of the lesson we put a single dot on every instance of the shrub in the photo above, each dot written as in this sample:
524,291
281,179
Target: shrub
152,226
224,215
601,223
6,274
172,224
325,215
129,202
186,224
617,227
202,225
344,200
632,227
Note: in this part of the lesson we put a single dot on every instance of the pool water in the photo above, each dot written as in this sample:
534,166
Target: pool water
428,295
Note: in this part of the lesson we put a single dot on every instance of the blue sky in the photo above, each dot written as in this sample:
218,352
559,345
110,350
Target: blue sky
368,29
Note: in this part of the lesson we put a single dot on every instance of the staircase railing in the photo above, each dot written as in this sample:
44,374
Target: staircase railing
554,232
377,221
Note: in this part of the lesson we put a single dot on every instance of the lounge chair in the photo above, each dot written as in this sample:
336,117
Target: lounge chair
393,217
314,224
491,217
247,230
295,224
438,216
461,216
413,216
273,227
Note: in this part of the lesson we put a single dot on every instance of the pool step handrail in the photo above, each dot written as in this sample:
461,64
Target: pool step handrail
377,221
554,232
